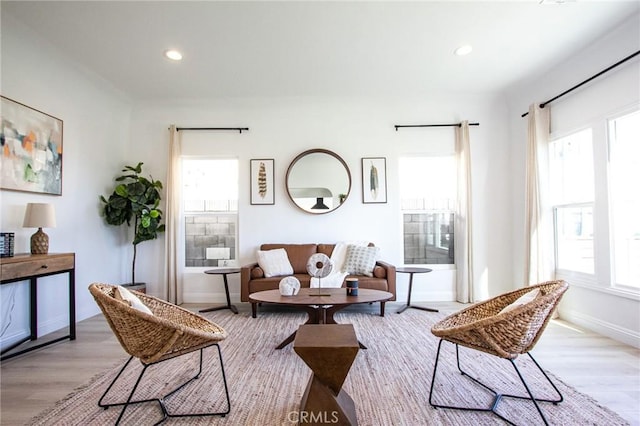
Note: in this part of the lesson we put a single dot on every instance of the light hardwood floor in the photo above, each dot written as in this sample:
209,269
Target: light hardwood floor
607,370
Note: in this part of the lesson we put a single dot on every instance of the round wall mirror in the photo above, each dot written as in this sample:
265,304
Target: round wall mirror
318,181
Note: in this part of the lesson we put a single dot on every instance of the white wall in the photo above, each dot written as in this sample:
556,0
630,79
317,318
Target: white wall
604,311
96,132
281,128
103,131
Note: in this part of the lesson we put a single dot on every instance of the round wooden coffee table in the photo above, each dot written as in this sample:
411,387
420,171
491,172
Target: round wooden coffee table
319,304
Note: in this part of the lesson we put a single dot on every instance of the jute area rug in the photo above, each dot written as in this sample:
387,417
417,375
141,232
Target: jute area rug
389,382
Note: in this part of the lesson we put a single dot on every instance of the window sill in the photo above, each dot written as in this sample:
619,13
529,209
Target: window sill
588,282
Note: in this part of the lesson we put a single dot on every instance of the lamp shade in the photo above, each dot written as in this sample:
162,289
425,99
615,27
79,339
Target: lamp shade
39,215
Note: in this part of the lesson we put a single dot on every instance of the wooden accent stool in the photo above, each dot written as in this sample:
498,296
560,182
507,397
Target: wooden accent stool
329,350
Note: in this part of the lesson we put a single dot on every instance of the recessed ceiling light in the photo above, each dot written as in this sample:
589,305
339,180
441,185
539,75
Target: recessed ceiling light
173,55
463,50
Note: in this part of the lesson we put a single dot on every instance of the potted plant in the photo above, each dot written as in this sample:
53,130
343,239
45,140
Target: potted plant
135,199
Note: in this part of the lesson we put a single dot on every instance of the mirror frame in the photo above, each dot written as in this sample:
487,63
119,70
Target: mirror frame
317,151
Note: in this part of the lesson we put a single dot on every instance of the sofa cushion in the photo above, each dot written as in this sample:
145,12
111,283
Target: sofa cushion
529,296
379,272
326,249
130,299
257,272
360,260
298,254
274,262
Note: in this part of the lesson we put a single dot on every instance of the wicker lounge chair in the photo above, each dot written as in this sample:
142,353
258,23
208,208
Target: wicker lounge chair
169,332
485,328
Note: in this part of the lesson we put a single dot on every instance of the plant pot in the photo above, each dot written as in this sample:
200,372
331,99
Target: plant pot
141,287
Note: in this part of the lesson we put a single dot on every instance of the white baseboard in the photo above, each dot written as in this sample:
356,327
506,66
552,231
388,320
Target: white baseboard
621,334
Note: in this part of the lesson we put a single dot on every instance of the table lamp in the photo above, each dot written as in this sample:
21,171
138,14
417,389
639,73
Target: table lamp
39,215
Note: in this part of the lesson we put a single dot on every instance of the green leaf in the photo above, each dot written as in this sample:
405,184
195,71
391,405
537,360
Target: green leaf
121,190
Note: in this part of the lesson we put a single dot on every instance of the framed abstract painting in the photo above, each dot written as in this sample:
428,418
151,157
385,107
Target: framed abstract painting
31,142
262,187
374,180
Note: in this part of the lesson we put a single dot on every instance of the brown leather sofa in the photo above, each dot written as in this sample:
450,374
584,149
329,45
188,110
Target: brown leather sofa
252,277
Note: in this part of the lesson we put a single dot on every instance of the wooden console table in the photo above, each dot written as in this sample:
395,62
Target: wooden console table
23,267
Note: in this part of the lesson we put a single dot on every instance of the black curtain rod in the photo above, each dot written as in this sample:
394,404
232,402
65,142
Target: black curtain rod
398,126
239,129
542,105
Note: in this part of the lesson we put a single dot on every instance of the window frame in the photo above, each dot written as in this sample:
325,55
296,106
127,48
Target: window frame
184,213
433,266
602,280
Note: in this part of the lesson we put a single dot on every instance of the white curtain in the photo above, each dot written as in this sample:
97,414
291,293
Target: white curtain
538,249
463,247
173,278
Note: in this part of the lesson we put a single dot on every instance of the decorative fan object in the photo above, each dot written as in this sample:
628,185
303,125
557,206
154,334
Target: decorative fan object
289,286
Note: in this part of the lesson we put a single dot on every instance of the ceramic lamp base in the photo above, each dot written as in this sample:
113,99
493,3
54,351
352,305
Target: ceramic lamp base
39,242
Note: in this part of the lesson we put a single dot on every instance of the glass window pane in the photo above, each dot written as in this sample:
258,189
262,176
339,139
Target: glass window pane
210,204
427,183
428,238
428,195
625,197
574,239
210,184
571,168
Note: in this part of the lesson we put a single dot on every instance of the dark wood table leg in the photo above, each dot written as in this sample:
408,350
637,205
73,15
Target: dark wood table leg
422,308
33,315
229,305
330,312
72,304
408,305
314,316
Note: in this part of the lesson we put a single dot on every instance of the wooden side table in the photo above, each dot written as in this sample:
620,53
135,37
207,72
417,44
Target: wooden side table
30,267
413,270
224,272
329,350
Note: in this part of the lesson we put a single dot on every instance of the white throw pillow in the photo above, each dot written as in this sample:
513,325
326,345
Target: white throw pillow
131,299
339,254
275,263
522,300
360,260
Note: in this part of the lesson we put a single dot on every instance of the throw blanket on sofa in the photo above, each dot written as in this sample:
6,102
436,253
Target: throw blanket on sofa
337,275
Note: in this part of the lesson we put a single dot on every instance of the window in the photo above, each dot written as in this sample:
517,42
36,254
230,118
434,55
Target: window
210,209
624,172
428,198
572,195
596,203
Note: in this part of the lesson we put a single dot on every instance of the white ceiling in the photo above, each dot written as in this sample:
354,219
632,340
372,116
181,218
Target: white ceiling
308,48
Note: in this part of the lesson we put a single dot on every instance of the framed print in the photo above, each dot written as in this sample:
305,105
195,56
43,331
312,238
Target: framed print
374,180
262,186
31,158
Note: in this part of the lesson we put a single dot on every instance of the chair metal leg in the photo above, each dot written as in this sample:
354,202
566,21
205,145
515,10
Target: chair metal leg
162,400
497,396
